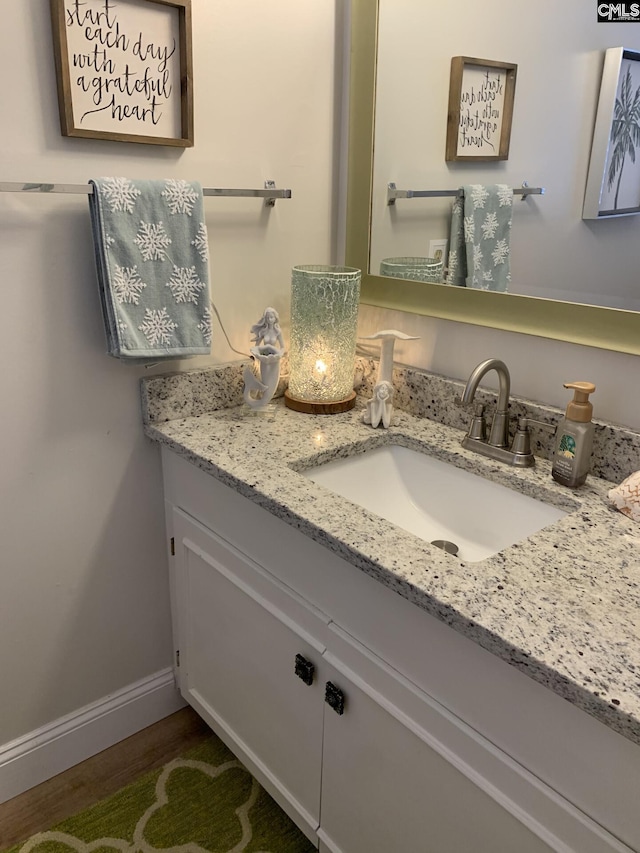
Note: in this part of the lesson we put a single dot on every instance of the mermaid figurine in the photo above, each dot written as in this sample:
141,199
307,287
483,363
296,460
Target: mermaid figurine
268,350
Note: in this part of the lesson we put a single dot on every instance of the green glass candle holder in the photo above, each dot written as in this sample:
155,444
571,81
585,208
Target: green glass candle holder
322,343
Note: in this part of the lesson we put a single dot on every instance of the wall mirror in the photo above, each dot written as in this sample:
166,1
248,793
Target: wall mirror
572,279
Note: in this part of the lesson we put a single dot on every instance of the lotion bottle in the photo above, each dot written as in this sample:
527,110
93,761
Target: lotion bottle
574,439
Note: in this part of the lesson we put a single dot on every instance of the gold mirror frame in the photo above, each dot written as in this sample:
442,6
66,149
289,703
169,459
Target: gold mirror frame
606,328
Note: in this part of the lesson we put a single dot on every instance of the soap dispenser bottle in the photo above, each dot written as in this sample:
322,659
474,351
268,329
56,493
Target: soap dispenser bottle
574,438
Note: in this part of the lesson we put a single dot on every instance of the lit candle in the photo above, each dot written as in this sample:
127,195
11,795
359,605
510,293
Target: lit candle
320,371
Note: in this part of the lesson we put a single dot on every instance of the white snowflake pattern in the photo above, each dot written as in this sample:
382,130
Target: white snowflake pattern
120,194
500,253
505,195
477,258
489,226
152,240
453,263
127,284
476,283
109,240
158,326
205,325
122,326
469,229
479,194
185,284
180,196
201,243
487,275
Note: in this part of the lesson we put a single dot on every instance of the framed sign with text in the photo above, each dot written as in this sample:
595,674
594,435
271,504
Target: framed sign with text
125,70
481,94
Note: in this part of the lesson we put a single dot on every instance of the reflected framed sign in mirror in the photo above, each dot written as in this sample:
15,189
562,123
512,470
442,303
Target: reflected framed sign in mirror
576,322
481,94
616,139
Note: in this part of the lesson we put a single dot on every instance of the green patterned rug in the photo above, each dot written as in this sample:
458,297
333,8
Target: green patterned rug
204,802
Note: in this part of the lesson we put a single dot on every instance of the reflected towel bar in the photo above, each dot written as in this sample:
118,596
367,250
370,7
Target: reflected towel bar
269,193
393,193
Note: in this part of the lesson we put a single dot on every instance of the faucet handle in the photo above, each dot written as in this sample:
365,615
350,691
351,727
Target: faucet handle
523,423
478,425
522,439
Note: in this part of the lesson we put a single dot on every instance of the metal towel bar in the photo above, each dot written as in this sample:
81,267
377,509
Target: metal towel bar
269,193
393,193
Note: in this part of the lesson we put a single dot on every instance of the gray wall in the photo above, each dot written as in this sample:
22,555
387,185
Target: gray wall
84,607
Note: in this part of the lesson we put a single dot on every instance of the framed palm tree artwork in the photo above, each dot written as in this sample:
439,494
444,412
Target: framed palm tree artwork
613,181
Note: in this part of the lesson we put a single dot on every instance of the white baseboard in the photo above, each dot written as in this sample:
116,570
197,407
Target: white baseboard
59,745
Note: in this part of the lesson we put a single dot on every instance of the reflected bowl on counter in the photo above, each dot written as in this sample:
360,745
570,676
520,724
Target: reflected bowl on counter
414,269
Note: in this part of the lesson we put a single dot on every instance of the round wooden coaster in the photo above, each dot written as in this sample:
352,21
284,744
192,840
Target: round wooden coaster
311,408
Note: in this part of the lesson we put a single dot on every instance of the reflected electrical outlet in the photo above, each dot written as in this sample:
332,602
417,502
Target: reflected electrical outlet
438,250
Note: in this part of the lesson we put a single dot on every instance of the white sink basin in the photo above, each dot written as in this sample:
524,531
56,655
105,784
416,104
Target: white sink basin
435,500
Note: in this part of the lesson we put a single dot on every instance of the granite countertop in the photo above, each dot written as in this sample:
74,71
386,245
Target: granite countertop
563,606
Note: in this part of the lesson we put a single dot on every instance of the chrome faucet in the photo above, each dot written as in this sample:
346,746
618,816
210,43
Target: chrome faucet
495,447
499,434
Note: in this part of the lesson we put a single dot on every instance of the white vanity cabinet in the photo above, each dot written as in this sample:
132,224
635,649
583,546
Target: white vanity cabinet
254,663
385,784
274,632
242,638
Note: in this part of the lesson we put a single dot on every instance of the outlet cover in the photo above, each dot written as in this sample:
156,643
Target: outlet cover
438,249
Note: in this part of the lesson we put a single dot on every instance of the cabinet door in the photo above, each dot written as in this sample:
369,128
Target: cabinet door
248,646
384,786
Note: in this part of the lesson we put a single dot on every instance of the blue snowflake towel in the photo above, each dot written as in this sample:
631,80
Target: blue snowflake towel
480,239
151,251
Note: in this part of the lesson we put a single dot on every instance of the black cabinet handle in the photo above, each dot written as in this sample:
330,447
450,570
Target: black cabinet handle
334,697
304,669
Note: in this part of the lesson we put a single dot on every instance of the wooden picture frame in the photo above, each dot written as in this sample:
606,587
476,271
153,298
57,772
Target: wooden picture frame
616,138
481,96
125,70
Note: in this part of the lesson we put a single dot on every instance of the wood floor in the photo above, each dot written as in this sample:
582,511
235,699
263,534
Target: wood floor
78,788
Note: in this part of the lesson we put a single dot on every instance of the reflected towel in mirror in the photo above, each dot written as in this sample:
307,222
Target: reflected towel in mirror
480,237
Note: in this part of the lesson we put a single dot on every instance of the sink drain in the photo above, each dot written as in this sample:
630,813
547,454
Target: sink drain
449,547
